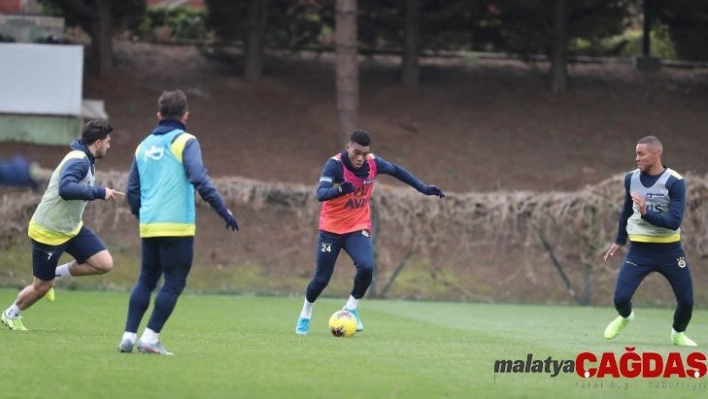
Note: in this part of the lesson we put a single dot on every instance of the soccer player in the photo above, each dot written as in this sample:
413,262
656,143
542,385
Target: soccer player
651,218
56,226
345,189
167,168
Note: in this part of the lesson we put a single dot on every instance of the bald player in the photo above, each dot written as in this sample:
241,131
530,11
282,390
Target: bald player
651,220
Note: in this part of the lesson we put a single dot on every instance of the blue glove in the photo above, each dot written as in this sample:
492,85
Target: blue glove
346,187
433,190
229,218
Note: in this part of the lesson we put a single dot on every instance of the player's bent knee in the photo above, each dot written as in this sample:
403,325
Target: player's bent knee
321,281
686,303
102,262
368,269
175,286
105,267
42,287
621,301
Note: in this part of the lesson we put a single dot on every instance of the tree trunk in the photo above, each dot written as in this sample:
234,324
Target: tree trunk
257,15
347,68
646,29
101,38
411,67
559,48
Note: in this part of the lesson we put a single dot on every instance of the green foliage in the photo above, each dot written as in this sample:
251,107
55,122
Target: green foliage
596,27
52,9
628,44
180,23
300,25
291,24
660,40
228,19
529,27
687,22
443,25
486,33
126,14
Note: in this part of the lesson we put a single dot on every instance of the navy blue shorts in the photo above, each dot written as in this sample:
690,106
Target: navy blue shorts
46,257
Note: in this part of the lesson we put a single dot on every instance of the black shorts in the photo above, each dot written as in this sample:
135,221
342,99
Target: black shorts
46,257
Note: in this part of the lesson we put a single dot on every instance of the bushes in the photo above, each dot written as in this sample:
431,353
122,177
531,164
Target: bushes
165,23
688,29
596,31
285,24
628,44
661,43
288,27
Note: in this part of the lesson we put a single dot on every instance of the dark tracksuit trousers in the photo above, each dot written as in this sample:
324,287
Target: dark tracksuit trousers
358,245
667,259
170,257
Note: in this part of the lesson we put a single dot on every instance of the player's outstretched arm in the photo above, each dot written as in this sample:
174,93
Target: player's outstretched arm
611,252
197,175
112,194
70,176
626,212
400,173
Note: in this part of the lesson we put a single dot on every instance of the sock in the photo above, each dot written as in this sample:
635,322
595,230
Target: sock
150,337
131,336
351,303
674,332
630,317
13,312
62,271
307,309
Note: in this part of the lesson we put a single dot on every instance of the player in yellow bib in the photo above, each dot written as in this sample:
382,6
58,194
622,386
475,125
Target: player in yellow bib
655,199
57,227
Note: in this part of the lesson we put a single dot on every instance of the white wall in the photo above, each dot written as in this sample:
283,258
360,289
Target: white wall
41,79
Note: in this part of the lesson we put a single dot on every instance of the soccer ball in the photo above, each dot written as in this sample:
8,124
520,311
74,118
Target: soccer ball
342,324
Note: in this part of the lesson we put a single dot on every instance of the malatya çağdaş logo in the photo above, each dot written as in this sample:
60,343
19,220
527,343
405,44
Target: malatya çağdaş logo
629,364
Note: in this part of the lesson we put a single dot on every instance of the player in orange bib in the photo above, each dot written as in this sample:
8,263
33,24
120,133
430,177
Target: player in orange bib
345,221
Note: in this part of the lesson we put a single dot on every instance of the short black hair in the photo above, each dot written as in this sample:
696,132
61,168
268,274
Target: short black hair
172,104
361,137
95,130
652,142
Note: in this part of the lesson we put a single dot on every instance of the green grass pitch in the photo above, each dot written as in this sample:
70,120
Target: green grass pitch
245,347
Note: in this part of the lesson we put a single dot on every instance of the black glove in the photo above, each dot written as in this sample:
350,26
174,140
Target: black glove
229,218
346,187
433,190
